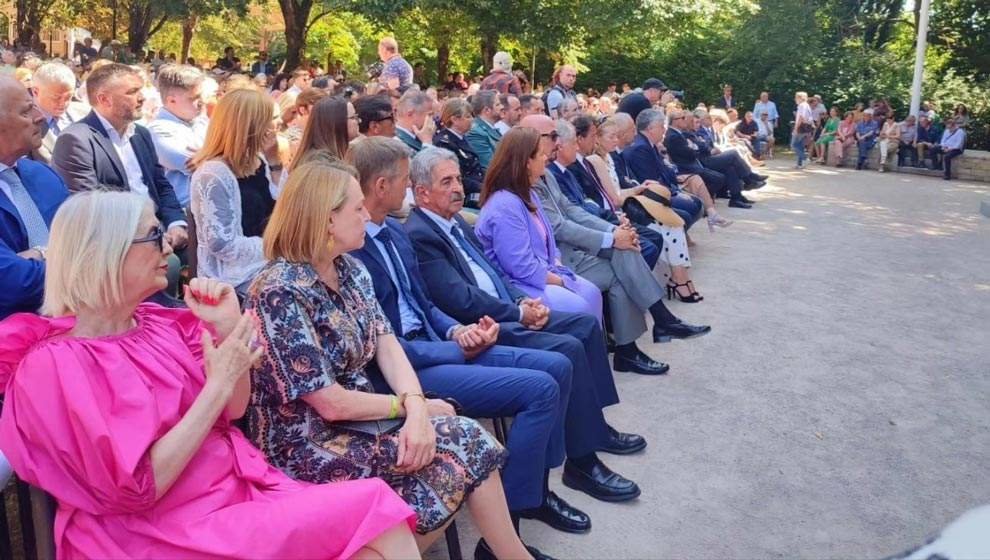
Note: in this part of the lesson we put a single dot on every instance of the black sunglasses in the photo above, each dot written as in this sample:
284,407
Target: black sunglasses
157,237
551,135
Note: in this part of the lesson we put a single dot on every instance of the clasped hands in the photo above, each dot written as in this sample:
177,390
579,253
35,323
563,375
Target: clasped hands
625,236
476,337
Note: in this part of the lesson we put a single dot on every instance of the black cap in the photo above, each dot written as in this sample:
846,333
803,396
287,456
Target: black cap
654,83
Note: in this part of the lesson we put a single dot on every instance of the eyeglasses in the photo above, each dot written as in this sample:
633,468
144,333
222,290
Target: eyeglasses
551,135
157,237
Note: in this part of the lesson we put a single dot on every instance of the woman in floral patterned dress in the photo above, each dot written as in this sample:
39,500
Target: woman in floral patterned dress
322,327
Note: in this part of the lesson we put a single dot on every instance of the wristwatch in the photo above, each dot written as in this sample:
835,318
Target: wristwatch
41,251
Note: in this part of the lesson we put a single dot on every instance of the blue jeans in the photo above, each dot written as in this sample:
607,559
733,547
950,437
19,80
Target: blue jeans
798,140
864,149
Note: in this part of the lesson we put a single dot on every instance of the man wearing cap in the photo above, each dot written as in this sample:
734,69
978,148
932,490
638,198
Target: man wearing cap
654,92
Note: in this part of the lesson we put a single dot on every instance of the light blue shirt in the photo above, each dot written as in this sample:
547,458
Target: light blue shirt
480,276
175,142
953,140
410,321
770,108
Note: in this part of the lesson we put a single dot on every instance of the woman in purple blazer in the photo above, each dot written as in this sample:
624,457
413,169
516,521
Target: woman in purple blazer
516,234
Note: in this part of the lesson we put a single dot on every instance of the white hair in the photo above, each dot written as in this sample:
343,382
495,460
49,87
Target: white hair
502,61
90,236
52,73
565,131
422,164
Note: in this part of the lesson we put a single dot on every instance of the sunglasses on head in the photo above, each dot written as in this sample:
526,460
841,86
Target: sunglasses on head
157,237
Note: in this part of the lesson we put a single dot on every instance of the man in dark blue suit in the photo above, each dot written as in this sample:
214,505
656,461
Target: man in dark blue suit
107,149
30,194
461,361
464,283
646,164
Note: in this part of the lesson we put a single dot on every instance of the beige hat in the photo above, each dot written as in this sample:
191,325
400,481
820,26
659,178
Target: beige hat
655,199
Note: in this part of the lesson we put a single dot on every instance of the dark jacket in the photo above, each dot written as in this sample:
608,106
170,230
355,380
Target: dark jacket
472,174
682,153
646,164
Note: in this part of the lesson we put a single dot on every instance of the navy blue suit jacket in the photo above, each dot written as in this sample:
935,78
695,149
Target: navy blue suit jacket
572,189
22,281
448,277
681,153
645,163
87,160
421,353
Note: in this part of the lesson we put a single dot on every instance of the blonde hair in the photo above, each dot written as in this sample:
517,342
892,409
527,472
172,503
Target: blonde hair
90,236
237,131
297,229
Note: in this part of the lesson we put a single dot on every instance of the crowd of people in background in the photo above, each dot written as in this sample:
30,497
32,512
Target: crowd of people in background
368,267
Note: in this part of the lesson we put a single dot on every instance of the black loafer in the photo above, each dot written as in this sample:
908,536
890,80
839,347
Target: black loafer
558,514
746,200
759,177
484,552
638,363
681,330
600,482
620,443
736,203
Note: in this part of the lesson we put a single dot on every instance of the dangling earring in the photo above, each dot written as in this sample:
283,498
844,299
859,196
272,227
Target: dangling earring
330,244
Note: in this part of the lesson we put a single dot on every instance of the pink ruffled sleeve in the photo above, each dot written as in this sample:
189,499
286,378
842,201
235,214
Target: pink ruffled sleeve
77,433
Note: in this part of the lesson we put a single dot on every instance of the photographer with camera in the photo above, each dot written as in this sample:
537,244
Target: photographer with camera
655,94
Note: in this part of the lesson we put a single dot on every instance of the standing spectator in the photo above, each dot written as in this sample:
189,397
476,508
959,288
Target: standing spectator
229,62
951,146
419,76
30,193
180,129
804,126
654,92
562,88
961,115
909,135
727,101
510,114
87,53
764,105
107,149
866,137
53,86
300,80
501,78
523,81
8,62
889,139
926,137
845,139
483,136
397,74
262,65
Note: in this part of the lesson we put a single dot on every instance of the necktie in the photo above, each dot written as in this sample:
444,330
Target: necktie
402,280
53,125
34,222
480,261
598,183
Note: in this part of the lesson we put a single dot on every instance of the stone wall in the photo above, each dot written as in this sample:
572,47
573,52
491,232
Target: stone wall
973,165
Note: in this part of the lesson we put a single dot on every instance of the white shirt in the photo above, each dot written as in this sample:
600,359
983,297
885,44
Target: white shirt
122,145
953,139
502,128
804,111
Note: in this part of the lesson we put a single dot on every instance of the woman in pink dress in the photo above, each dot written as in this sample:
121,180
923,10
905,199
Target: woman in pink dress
122,411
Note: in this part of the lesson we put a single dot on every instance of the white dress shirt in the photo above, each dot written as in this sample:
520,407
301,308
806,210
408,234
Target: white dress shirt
410,321
953,140
122,145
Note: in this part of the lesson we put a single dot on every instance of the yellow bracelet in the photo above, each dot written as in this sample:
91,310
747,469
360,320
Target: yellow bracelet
393,407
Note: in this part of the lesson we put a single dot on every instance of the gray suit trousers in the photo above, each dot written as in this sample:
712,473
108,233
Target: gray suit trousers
629,285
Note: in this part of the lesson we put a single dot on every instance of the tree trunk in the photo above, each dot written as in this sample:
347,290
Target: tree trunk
443,60
188,28
489,45
27,26
295,14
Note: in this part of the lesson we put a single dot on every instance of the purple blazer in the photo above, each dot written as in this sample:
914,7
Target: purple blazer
513,241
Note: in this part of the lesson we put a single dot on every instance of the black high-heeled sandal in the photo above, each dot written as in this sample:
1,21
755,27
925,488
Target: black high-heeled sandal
693,297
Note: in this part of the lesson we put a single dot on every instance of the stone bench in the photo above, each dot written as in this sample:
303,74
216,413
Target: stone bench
973,165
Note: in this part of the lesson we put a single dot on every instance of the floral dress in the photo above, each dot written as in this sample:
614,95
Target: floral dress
316,337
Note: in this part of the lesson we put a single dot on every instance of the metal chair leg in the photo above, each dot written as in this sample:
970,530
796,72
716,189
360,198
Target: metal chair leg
453,542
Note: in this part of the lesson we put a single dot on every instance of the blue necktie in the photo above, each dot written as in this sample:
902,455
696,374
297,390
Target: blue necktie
403,281
34,222
480,260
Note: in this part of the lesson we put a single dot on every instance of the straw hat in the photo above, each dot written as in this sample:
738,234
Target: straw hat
655,200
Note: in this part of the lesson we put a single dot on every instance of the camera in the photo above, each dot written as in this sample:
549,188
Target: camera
678,94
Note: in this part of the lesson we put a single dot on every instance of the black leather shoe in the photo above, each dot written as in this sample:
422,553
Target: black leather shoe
638,363
558,514
746,200
666,333
600,482
609,343
759,177
753,185
484,552
620,443
737,203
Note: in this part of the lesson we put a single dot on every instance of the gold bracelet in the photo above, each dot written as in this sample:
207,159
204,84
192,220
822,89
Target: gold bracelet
393,407
404,396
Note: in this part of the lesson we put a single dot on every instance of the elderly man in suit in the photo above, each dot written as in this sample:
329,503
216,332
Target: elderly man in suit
53,86
107,148
414,120
30,193
457,360
483,137
608,256
465,284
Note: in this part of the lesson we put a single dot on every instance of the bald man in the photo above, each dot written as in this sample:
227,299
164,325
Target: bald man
563,88
397,74
30,193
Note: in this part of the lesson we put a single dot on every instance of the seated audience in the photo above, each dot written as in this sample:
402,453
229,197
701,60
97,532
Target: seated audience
53,87
926,138
951,146
332,125
748,130
460,361
302,109
889,139
866,137
765,134
845,139
608,256
510,114
124,412
764,106
909,136
179,131
501,78
456,118
483,136
827,137
531,105
298,81
30,193
106,149
375,115
466,285
232,193
414,120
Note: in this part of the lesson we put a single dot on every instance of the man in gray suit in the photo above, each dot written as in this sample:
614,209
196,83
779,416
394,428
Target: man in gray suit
601,253
53,85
